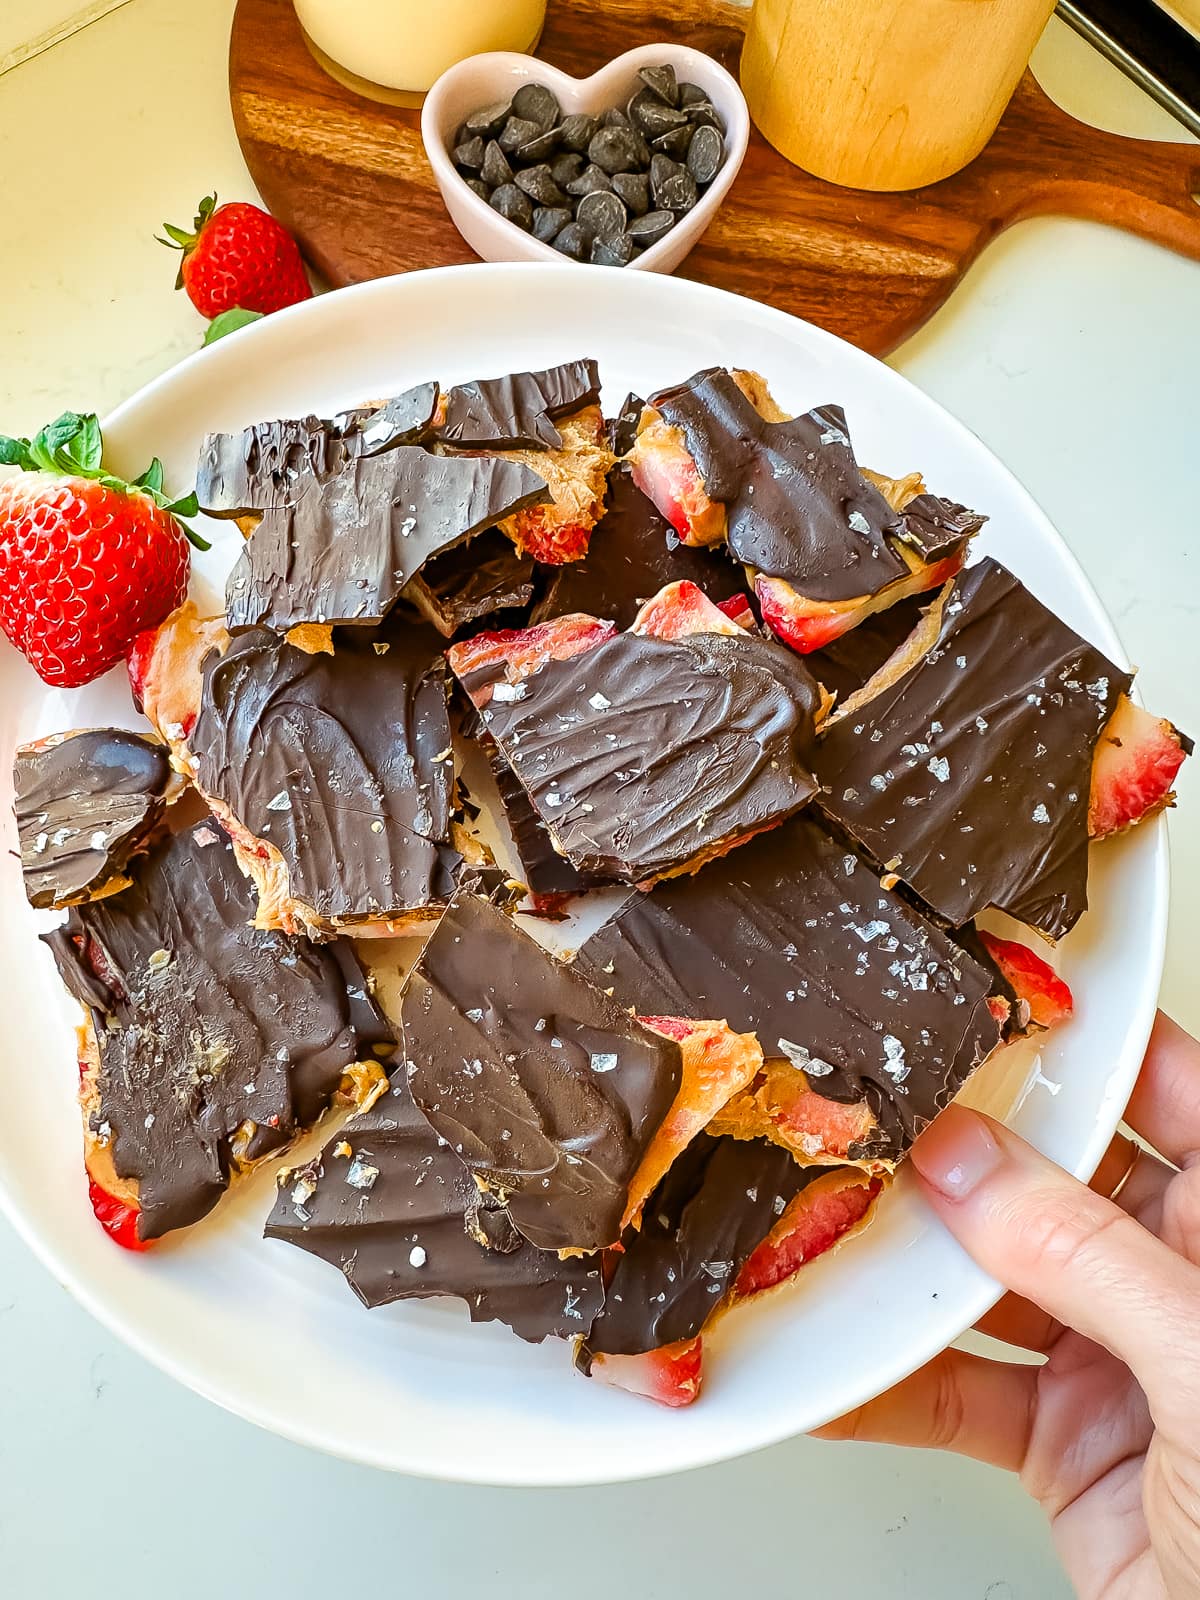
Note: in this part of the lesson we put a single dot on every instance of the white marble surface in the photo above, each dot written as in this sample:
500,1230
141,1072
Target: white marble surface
1072,350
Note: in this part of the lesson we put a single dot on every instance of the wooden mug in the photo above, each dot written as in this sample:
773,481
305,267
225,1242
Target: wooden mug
885,94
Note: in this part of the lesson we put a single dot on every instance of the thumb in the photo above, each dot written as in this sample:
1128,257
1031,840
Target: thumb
1078,1256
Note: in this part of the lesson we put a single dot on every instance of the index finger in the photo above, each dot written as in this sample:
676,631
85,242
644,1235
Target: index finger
1165,1104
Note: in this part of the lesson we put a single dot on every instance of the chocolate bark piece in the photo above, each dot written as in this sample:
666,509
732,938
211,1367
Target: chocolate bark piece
547,1090
644,755
218,1042
796,504
846,663
394,1209
471,581
935,527
792,937
623,428
545,873
972,770
339,762
709,1214
348,546
518,412
633,554
85,803
271,463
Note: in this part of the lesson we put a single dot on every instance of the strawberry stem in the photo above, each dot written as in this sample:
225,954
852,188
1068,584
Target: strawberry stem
72,446
180,239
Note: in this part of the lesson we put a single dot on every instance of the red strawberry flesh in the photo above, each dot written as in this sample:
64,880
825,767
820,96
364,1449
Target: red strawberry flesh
117,1217
808,625
1046,994
1133,769
816,1220
524,650
671,1375
681,609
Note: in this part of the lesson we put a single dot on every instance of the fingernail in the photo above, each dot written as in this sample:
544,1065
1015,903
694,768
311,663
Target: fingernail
957,1152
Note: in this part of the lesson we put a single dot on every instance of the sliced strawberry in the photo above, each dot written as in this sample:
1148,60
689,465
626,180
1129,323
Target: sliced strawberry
781,1106
809,625
717,1063
738,609
817,1219
117,1217
524,650
671,1375
680,609
538,531
1049,999
1134,766
666,474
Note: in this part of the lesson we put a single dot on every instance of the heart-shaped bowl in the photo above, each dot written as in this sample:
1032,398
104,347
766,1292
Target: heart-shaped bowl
485,80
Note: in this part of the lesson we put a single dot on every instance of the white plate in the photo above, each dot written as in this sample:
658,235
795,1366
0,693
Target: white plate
273,1334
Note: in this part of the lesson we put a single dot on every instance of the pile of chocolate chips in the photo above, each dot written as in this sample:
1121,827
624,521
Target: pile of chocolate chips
600,189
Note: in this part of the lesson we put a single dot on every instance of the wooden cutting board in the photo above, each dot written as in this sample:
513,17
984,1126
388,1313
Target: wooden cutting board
350,178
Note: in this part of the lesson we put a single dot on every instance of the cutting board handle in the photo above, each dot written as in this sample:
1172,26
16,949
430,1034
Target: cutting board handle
1066,167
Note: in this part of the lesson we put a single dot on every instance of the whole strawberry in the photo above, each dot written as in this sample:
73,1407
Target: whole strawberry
87,561
238,256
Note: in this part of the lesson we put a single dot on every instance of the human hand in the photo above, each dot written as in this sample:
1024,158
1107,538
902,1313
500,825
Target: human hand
1105,1434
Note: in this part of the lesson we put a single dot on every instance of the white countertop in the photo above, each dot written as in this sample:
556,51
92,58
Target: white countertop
1073,351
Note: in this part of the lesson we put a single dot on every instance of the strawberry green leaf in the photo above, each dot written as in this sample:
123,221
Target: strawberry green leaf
16,453
62,430
152,478
187,505
229,322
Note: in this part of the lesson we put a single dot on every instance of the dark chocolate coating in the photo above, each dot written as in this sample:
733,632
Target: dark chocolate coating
546,1089
847,663
347,547
974,769
716,1205
420,1228
333,759
270,463
84,806
936,528
797,506
633,554
793,938
518,412
623,428
204,1022
544,871
471,581
641,754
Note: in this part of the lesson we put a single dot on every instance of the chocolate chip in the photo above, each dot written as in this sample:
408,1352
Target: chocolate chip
537,104
495,169
480,188
577,132
649,229
705,115
470,154
705,154
541,148
691,94
487,122
673,186
651,117
619,150
616,252
516,132
602,213
514,205
589,180
540,186
614,117
549,221
633,189
676,142
663,84
575,241
565,168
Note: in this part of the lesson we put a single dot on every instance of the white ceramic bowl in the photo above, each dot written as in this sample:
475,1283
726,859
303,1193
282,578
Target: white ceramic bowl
488,79
274,1334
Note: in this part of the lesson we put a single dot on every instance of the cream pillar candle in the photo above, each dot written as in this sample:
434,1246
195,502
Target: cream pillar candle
405,44
885,94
